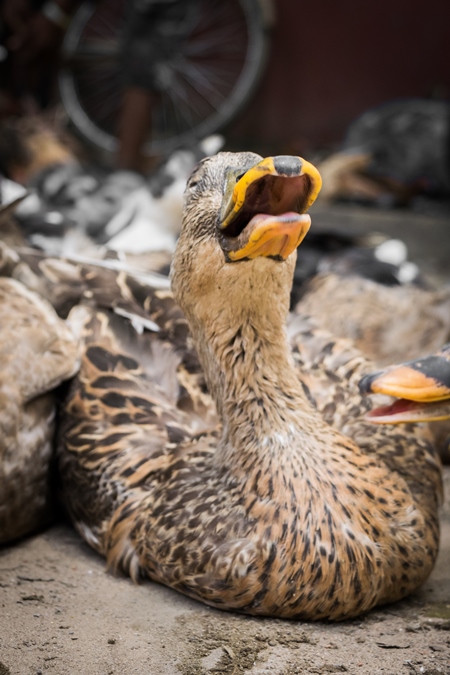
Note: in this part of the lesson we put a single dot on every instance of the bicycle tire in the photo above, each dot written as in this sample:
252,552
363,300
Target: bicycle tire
251,24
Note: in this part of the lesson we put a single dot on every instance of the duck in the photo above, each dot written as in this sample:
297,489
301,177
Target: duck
421,392
196,453
389,323
421,388
391,155
38,351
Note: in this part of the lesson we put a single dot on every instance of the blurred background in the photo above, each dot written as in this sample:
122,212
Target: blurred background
330,62
106,106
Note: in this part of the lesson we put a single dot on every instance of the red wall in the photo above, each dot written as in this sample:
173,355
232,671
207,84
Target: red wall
332,59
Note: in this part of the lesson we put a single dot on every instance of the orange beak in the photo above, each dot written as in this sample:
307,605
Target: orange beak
265,213
423,387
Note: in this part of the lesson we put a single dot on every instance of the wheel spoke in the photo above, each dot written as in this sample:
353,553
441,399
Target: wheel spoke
93,50
105,21
182,113
98,84
216,44
218,64
199,81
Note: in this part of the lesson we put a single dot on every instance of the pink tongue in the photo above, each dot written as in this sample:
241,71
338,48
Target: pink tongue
400,405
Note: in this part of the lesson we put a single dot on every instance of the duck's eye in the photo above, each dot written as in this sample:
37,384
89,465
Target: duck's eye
195,176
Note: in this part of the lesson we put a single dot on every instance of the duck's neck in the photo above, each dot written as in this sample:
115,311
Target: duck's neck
251,375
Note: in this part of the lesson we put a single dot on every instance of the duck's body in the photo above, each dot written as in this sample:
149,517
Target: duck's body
273,511
298,527
37,352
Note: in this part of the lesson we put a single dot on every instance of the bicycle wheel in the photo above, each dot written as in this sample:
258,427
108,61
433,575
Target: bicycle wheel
203,85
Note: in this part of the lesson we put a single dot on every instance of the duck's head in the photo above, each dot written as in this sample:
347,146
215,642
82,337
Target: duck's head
243,218
421,389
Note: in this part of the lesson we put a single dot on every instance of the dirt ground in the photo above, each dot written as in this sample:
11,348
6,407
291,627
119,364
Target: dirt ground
62,613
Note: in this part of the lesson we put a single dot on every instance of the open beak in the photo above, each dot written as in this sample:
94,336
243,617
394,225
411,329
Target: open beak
264,211
421,389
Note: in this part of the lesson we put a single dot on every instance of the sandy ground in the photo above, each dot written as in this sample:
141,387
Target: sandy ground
62,613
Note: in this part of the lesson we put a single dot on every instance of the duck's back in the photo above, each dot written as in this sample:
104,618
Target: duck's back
138,398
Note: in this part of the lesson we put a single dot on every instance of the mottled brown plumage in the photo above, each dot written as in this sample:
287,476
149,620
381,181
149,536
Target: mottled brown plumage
68,282
292,505
37,352
388,323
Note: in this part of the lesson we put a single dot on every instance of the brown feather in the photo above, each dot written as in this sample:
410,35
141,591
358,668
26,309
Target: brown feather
293,506
388,323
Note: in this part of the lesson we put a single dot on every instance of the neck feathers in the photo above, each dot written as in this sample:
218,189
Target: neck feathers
252,378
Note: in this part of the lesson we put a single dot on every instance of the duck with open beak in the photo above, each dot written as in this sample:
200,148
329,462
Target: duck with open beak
421,389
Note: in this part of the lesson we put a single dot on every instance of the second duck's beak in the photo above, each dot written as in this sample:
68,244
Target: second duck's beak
422,388
264,210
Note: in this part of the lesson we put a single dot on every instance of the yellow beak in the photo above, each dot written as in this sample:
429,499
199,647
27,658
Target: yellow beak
272,197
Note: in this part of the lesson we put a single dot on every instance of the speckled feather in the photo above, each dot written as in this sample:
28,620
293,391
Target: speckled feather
293,506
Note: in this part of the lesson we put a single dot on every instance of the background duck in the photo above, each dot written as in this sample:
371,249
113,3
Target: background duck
388,322
272,510
421,389
424,383
37,352
391,154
